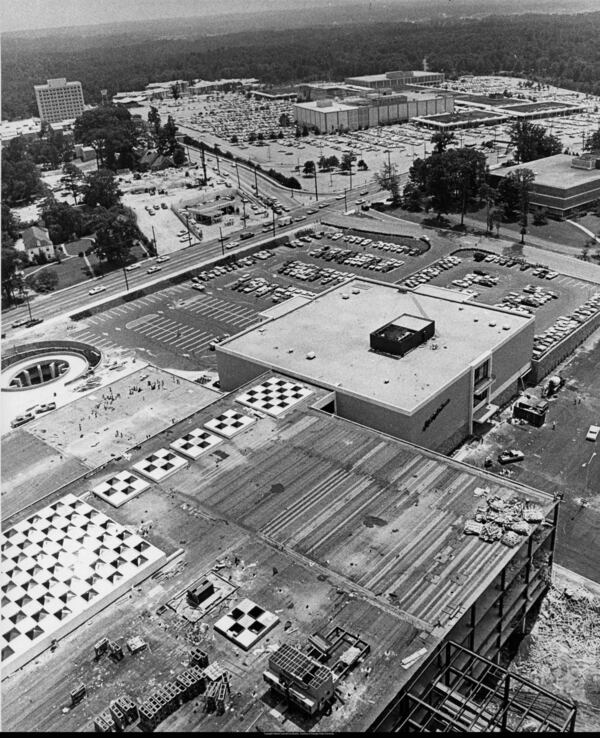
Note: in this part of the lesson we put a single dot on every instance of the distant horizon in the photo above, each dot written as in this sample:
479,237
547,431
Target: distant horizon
48,15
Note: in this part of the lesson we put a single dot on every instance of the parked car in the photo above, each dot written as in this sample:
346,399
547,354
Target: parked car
593,433
99,288
131,267
45,408
161,259
510,456
153,269
21,420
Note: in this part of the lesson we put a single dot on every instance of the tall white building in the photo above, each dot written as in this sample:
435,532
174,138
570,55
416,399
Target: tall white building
59,100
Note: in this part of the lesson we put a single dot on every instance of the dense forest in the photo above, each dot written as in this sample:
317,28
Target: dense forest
559,49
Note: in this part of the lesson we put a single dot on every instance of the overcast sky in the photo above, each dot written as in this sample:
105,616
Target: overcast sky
18,15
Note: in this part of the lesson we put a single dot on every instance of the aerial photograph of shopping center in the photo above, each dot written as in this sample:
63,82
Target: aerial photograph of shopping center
300,411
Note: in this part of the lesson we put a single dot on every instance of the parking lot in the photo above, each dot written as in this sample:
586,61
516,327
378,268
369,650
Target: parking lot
513,284
559,459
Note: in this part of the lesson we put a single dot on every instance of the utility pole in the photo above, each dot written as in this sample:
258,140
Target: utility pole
218,164
316,191
203,162
237,171
255,182
350,162
187,222
244,206
222,240
345,202
273,213
154,239
26,296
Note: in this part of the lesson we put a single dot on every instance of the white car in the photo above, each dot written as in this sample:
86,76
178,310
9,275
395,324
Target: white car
161,259
96,290
593,433
153,269
131,267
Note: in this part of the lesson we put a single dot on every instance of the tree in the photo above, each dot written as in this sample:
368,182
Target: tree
100,188
46,280
20,177
362,165
347,160
175,91
508,196
10,224
389,180
592,142
64,222
110,131
116,236
12,261
284,120
234,139
531,141
166,142
441,140
251,137
309,168
524,179
471,170
179,157
71,179
260,137
154,119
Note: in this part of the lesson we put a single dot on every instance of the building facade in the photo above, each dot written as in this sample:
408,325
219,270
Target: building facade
446,378
59,100
396,80
369,111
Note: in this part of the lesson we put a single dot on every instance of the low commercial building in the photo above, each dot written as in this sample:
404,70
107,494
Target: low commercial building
309,91
396,80
423,368
59,100
563,184
373,109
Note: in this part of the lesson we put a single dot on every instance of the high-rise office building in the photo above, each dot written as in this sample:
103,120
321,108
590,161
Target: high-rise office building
59,100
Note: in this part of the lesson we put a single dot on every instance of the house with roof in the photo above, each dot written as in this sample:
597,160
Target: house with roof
37,241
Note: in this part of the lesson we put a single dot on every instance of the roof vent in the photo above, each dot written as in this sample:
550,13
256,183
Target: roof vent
310,355
345,296
386,381
290,351
475,320
505,327
492,323
356,292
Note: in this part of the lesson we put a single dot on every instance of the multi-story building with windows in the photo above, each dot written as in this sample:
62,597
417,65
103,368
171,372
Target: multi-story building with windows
59,100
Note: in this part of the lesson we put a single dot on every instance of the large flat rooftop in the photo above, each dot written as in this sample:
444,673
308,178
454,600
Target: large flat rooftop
337,330
555,171
319,520
326,106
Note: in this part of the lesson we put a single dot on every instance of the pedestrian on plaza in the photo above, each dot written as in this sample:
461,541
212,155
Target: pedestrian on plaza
554,425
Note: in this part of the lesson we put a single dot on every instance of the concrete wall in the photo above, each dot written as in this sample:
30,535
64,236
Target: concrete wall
236,370
512,356
440,425
549,361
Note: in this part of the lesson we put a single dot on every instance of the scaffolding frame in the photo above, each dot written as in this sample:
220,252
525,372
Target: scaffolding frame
481,695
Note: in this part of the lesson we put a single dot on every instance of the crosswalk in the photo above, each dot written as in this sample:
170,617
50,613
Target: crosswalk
233,314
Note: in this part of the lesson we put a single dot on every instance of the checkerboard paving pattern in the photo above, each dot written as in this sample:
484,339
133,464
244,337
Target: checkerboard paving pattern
274,396
121,488
246,624
195,443
229,423
59,567
160,465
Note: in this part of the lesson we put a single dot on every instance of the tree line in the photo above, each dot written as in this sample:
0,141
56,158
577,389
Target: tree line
560,50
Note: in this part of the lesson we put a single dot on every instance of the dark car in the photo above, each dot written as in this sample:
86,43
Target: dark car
33,321
510,456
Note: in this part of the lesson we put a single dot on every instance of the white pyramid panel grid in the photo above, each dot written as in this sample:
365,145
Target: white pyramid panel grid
246,624
47,594
195,443
229,423
120,488
274,396
160,465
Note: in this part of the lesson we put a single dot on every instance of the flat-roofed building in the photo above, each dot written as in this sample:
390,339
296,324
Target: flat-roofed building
59,100
563,184
396,79
419,367
370,110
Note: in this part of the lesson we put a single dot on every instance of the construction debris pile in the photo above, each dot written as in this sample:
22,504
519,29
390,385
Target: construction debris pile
562,652
504,520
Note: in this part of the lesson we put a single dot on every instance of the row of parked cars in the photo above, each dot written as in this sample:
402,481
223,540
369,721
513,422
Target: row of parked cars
359,259
26,417
261,287
538,270
531,296
311,273
374,244
434,270
565,325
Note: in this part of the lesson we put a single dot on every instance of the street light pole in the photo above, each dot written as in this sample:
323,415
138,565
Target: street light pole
237,171
222,240
255,182
273,212
345,202
154,239
316,191
187,222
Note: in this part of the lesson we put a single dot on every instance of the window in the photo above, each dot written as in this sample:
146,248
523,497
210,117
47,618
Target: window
482,372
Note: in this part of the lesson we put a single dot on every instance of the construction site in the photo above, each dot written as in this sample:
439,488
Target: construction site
254,563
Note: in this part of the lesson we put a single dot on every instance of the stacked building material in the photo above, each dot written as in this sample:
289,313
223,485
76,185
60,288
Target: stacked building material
505,520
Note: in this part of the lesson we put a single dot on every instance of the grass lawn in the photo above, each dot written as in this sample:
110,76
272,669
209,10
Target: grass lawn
73,270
